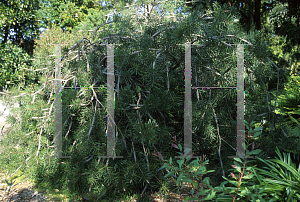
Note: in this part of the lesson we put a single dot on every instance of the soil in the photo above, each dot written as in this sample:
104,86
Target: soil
25,191
22,191
186,191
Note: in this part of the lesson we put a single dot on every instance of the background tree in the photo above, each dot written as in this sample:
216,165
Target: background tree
68,14
19,23
19,28
14,66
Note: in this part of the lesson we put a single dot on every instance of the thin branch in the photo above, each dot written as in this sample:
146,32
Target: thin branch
4,93
40,135
283,132
95,96
2,130
144,189
92,122
226,44
219,150
133,151
68,129
39,117
108,37
229,144
213,71
276,90
50,96
39,146
145,155
84,38
16,170
136,52
240,39
73,58
87,60
157,33
35,70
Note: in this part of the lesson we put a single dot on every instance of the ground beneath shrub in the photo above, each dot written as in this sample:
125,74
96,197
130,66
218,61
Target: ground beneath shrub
184,192
24,191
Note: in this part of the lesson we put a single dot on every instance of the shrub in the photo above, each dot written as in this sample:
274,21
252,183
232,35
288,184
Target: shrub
278,182
14,63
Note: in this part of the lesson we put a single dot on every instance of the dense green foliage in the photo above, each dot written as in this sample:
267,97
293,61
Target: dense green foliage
21,17
149,74
15,66
66,14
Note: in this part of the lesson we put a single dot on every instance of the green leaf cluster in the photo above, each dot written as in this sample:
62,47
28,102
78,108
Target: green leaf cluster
15,66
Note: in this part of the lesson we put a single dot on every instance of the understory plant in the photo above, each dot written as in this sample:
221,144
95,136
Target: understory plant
278,182
282,175
245,185
191,173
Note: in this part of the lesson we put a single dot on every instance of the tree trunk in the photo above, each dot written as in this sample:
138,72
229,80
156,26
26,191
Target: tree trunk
257,14
249,16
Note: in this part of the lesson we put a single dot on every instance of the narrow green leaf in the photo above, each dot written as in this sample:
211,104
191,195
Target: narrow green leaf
257,151
203,192
195,162
211,195
256,134
261,190
195,184
291,169
256,130
190,198
179,178
238,168
200,172
168,174
187,180
193,191
180,162
180,147
238,159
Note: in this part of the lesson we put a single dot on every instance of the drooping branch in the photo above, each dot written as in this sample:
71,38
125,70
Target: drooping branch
219,150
